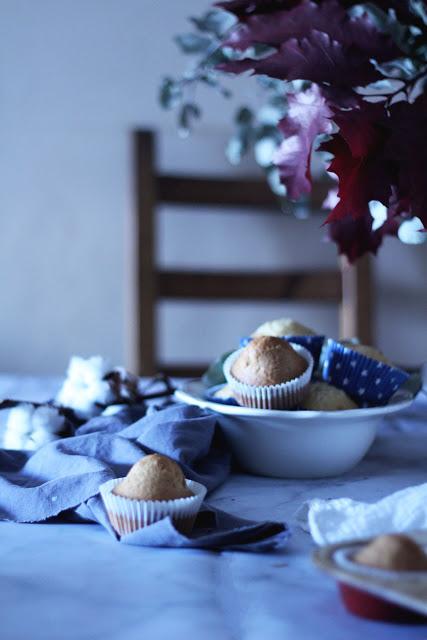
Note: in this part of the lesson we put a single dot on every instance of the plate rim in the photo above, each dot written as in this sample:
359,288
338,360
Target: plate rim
184,394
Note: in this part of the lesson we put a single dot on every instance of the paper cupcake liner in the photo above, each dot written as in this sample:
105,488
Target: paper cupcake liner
127,514
366,380
278,396
313,344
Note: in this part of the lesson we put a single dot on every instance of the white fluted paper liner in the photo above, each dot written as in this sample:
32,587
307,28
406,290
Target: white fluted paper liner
127,514
278,396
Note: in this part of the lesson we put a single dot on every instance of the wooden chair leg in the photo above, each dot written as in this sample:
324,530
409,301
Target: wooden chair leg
145,195
356,317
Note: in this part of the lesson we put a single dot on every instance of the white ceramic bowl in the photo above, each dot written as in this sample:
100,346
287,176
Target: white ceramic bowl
294,444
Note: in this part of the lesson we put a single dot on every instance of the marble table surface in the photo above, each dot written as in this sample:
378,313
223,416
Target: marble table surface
72,581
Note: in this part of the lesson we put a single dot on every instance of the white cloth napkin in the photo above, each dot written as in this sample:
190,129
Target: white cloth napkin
332,521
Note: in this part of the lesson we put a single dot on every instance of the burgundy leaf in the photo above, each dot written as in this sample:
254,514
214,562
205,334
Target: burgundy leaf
354,238
359,162
317,42
317,57
308,116
275,28
242,8
329,17
407,149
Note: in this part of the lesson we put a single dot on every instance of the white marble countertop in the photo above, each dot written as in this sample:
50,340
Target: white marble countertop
72,581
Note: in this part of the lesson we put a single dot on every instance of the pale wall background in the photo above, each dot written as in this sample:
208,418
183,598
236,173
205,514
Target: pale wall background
75,77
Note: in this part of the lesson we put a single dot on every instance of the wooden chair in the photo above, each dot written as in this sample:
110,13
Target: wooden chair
349,287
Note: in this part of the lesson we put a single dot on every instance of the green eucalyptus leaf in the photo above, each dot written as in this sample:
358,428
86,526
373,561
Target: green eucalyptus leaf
259,51
188,113
193,42
419,9
244,117
214,374
209,79
170,93
217,57
236,149
273,178
226,93
215,21
264,150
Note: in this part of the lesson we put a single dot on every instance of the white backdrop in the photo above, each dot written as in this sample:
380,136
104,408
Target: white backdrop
76,76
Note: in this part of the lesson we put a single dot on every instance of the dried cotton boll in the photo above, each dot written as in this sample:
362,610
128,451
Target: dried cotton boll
47,419
393,552
18,427
154,477
19,420
84,386
29,426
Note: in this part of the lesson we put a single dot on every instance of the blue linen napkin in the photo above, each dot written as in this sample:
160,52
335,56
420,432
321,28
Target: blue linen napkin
63,477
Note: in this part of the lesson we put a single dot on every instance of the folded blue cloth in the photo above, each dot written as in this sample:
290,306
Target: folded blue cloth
63,477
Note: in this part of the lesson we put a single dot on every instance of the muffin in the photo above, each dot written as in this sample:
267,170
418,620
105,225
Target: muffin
282,327
321,396
154,488
293,331
269,373
368,351
268,361
362,372
154,477
392,552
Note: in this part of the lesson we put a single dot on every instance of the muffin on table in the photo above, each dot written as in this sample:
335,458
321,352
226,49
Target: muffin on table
154,488
269,373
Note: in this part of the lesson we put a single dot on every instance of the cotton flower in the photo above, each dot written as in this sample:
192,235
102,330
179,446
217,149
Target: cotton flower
85,387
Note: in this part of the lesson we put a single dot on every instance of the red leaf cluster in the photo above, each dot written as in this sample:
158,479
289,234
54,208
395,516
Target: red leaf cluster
379,151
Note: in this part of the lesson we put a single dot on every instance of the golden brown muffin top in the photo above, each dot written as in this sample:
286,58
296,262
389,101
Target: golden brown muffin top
321,396
267,361
394,552
283,327
154,477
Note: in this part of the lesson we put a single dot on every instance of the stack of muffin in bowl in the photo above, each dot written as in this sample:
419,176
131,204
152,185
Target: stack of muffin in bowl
286,365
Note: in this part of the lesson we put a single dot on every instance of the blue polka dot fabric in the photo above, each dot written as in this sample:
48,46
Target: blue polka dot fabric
366,380
313,344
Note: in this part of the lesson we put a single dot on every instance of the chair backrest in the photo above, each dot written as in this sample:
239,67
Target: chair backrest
347,286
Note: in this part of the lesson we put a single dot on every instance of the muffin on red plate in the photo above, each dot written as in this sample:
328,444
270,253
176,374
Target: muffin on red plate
392,554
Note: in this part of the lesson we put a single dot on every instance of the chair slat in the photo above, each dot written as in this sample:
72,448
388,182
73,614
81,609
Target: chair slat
211,191
298,285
